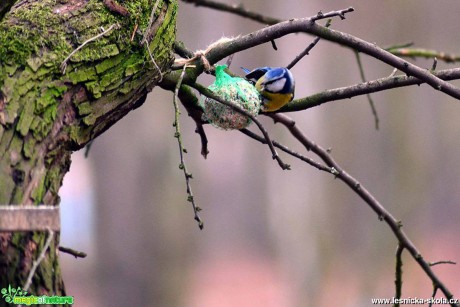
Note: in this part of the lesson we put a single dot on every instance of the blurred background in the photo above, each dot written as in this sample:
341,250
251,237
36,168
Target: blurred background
273,237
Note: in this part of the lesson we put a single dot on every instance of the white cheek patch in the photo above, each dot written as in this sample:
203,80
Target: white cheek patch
276,86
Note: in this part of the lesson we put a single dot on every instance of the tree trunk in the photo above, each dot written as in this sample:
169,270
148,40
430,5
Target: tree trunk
46,113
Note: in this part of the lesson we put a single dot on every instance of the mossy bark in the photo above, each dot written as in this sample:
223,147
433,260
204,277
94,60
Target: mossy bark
46,114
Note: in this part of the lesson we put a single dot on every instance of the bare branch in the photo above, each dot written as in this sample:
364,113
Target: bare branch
307,25
424,53
237,9
360,190
435,290
363,89
442,262
182,150
398,274
70,251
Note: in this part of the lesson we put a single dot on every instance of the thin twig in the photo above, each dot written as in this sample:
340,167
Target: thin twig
424,53
208,93
88,148
393,73
64,63
442,262
435,64
287,150
435,290
241,11
369,98
40,258
309,48
340,13
235,9
75,253
153,61
182,150
399,45
398,274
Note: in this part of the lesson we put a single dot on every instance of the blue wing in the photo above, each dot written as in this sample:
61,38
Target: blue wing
246,71
255,74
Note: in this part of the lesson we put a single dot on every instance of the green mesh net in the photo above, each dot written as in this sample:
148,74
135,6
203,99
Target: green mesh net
236,90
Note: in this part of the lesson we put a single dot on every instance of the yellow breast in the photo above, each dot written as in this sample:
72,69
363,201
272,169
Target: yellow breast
275,101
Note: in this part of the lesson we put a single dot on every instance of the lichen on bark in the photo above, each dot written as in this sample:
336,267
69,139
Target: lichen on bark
46,114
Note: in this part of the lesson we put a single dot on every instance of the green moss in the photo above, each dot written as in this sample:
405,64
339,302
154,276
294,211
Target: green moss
8,86
111,77
49,96
11,111
134,68
34,63
90,119
79,135
53,179
14,150
109,63
20,40
38,193
26,76
49,115
29,147
90,53
18,194
40,127
25,120
127,87
84,108
7,137
17,239
44,71
81,75
10,69
6,183
23,89
38,238
94,88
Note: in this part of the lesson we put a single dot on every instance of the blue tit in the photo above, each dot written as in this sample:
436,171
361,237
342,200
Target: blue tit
275,84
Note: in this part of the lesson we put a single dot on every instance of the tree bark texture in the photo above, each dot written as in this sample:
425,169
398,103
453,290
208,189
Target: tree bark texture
46,114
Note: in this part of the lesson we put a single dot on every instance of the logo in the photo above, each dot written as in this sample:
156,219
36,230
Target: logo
18,296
